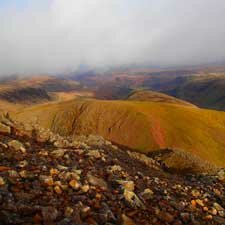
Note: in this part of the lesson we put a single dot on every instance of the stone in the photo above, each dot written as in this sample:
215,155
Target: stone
3,145
61,168
199,202
49,214
54,172
95,181
128,185
58,153
221,175
195,193
47,180
127,221
105,213
78,172
217,192
23,164
94,153
221,213
68,212
132,199
17,145
115,147
166,216
115,168
4,129
58,190
4,168
43,153
218,207
5,119
60,143
85,188
68,176
193,203
2,182
74,184
213,211
185,217
219,220
177,222
24,173
13,173
147,194
85,209
208,217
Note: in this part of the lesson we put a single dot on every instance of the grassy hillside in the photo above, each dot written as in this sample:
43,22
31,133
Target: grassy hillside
207,91
153,96
144,126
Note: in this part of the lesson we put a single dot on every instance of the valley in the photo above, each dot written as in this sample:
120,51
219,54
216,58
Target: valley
143,126
203,87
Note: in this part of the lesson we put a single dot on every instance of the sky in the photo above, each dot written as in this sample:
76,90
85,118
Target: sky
57,36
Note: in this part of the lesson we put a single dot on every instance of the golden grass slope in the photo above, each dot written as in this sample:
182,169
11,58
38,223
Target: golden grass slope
144,126
153,96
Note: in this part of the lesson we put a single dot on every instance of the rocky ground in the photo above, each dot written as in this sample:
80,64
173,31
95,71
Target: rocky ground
47,179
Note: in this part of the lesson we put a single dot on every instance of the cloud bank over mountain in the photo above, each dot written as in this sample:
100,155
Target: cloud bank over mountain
56,35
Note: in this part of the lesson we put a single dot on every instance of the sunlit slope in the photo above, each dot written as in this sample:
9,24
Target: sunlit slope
144,126
153,96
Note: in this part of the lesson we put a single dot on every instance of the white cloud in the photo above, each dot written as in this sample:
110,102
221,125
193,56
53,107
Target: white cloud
66,33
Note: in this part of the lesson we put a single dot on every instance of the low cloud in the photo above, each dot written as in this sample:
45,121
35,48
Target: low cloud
59,35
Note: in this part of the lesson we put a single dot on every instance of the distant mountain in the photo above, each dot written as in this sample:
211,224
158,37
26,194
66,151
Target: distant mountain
206,91
24,95
25,91
153,96
204,87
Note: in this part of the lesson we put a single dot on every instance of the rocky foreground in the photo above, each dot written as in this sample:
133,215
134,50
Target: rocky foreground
47,179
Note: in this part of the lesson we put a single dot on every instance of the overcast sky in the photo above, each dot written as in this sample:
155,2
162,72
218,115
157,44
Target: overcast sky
53,36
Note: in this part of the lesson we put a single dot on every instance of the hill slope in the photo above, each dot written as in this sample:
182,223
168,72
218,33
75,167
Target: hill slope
19,92
207,91
153,96
58,181
23,95
145,126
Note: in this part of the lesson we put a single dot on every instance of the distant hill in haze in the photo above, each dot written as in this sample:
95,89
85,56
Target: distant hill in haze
19,92
153,96
204,87
207,91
